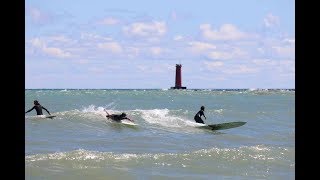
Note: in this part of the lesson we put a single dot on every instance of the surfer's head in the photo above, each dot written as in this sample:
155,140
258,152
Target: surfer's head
35,102
202,108
123,115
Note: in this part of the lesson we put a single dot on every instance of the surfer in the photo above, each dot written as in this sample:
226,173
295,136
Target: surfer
38,108
117,117
197,117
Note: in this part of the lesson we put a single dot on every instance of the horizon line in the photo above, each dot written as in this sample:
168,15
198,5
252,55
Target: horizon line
159,89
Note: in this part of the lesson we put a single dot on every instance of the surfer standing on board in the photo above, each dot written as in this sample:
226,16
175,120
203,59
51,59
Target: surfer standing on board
197,117
117,117
38,108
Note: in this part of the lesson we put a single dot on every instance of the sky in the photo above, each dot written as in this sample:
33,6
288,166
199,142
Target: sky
136,44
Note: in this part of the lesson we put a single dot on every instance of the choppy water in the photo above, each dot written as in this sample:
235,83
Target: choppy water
80,143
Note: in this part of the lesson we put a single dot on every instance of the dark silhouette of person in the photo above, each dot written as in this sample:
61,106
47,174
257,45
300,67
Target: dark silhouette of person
197,117
117,117
38,108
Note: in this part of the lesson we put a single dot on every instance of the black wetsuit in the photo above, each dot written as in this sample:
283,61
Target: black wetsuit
38,109
116,117
197,117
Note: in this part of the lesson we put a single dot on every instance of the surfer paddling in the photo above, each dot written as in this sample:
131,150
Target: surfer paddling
117,117
197,117
38,108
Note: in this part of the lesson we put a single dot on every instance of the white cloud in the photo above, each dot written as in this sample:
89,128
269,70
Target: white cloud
57,52
91,36
263,62
226,32
241,69
142,68
289,40
271,21
232,53
60,38
36,42
220,55
178,38
109,21
198,47
277,48
96,70
284,51
276,67
111,46
213,65
141,29
156,50
82,61
153,39
53,51
216,52
133,52
161,68
287,66
37,16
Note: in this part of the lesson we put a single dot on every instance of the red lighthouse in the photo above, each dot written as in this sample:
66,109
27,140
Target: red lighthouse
178,78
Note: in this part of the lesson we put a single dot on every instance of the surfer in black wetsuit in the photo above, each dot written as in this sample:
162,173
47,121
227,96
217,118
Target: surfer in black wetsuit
38,108
197,117
117,117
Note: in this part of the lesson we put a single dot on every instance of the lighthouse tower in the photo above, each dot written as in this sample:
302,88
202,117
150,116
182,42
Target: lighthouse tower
178,78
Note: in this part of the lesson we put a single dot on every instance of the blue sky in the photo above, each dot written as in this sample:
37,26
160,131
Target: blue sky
137,43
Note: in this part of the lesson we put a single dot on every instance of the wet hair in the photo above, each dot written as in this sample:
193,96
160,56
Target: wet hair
202,107
123,115
36,102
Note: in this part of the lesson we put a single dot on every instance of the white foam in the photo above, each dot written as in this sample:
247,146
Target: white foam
219,111
36,117
163,118
243,152
98,110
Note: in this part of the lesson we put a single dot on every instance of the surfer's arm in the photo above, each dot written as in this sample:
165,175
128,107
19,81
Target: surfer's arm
108,115
202,114
129,119
46,110
30,109
106,112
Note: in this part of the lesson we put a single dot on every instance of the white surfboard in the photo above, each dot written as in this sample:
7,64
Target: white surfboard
128,123
41,117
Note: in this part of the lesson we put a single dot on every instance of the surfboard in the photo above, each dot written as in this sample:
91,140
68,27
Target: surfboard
125,122
128,123
221,126
50,116
38,117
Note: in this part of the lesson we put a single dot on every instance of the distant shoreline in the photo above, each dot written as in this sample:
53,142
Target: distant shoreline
252,89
